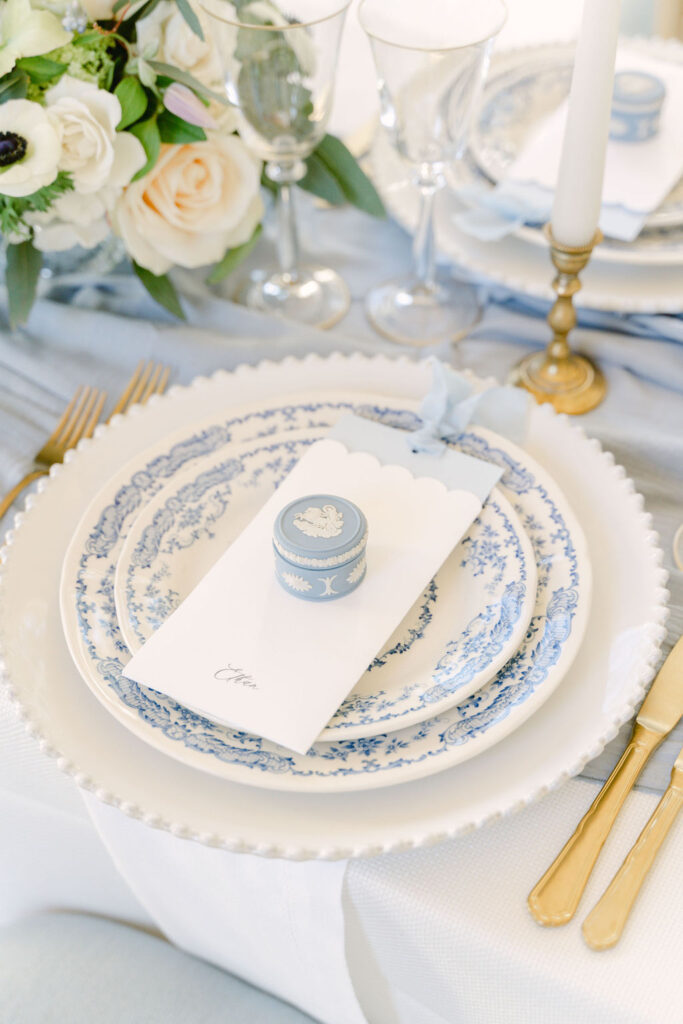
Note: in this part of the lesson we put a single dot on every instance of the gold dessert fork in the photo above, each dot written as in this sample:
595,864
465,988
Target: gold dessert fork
79,420
148,379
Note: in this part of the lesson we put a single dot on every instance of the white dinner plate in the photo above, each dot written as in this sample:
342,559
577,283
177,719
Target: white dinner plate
467,624
598,694
456,733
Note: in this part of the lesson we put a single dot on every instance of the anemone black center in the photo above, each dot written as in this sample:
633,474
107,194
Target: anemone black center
12,148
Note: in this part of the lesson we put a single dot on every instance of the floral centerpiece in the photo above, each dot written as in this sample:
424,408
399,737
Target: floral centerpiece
113,117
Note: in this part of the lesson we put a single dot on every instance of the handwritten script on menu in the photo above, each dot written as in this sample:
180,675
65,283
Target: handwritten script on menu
237,676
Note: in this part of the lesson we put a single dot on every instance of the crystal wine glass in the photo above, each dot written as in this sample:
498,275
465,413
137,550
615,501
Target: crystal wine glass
431,59
279,72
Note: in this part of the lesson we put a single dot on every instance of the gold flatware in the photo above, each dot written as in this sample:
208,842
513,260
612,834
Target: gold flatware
605,923
79,420
148,379
554,899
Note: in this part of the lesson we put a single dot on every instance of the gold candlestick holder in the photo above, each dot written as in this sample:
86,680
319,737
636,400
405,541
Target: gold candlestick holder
572,383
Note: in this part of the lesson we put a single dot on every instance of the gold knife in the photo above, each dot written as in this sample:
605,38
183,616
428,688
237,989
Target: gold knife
605,923
554,899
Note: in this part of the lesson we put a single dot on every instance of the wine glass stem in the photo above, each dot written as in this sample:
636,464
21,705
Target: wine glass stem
287,235
423,244
285,174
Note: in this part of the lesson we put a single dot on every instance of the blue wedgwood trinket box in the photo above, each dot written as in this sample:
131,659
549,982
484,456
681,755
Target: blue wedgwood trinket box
636,105
320,542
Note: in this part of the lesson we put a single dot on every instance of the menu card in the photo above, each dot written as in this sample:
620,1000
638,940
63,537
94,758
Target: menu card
242,650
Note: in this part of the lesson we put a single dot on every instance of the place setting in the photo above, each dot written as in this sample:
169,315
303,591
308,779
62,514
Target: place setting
328,630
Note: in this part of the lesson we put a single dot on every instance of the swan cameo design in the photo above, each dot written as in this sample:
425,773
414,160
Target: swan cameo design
326,522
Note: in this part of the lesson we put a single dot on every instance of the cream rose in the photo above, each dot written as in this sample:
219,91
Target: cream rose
29,148
86,118
177,44
197,202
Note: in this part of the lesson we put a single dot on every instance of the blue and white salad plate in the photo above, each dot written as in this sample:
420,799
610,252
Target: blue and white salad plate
99,650
466,625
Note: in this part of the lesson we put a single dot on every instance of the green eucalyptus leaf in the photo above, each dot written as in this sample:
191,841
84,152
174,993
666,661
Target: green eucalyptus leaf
87,39
176,75
161,288
355,185
175,130
190,17
13,86
148,134
133,99
21,277
233,258
321,182
41,69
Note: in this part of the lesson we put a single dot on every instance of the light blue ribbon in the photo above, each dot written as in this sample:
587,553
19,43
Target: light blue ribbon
452,405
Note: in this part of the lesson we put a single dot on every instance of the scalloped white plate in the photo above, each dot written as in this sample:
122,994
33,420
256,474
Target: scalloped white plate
598,694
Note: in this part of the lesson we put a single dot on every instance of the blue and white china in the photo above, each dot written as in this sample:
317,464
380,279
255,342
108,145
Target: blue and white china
320,545
528,85
550,644
466,625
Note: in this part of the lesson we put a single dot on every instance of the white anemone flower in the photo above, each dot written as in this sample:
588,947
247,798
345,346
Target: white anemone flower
27,33
30,148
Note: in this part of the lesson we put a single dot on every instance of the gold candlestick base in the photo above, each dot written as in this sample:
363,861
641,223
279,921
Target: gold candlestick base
572,383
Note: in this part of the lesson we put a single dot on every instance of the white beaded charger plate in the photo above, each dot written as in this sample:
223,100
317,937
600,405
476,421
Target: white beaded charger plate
598,694
467,624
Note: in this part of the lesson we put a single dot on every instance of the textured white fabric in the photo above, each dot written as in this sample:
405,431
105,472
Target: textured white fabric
452,935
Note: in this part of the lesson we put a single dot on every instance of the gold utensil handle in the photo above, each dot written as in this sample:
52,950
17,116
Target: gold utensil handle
605,923
556,896
12,495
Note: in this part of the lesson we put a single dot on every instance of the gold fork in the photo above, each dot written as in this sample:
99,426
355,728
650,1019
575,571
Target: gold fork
79,420
148,379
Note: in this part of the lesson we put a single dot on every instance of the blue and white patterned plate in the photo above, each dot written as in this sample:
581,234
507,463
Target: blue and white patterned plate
465,626
524,86
550,644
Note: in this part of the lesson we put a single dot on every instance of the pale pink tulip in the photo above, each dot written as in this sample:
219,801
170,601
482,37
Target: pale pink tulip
182,102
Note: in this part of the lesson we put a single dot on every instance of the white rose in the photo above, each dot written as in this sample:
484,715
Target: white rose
196,203
26,127
92,150
177,44
71,220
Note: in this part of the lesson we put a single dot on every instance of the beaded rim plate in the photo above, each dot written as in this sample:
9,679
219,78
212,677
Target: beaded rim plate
434,744
467,624
599,694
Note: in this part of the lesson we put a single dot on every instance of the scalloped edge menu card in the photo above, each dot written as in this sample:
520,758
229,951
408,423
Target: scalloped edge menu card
243,651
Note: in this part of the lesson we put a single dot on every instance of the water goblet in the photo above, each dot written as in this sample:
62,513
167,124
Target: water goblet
431,59
279,63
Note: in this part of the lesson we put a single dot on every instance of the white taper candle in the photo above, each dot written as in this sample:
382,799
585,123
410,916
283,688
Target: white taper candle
576,209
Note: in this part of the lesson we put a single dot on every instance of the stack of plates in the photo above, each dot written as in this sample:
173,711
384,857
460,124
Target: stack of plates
518,662
523,87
